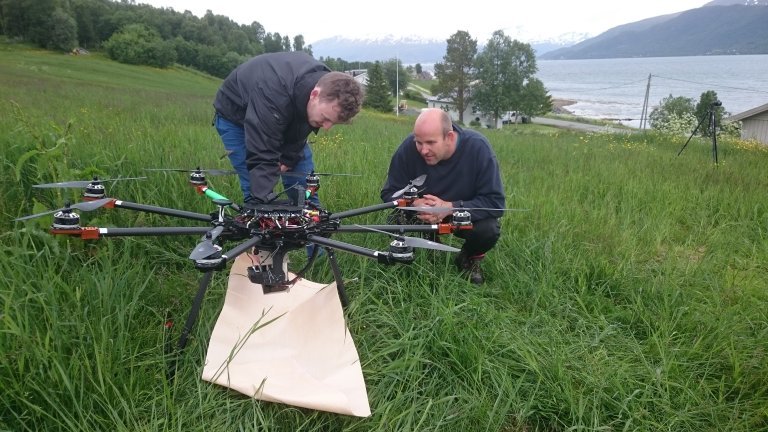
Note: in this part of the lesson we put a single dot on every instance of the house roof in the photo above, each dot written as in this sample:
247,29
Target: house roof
749,113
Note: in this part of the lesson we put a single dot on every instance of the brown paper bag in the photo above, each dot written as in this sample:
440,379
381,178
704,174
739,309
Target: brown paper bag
290,347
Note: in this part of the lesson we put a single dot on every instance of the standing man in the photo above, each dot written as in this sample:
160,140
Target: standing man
266,108
462,171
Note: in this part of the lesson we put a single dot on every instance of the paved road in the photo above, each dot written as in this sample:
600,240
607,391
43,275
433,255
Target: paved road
580,126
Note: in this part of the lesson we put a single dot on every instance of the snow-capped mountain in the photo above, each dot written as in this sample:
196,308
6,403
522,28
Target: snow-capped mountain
413,49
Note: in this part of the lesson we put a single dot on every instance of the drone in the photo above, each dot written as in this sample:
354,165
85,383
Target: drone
266,230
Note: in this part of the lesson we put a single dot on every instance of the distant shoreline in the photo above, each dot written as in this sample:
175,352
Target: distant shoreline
558,106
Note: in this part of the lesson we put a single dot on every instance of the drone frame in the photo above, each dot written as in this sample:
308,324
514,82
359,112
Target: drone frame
271,229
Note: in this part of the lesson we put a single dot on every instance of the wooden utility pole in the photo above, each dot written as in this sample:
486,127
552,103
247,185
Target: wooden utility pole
644,114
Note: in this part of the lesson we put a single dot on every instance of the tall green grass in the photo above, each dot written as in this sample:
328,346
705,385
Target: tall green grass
631,295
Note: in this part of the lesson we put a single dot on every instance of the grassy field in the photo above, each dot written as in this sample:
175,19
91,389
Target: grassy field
630,297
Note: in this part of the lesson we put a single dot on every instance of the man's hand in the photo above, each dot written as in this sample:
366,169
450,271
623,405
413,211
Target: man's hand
432,201
284,168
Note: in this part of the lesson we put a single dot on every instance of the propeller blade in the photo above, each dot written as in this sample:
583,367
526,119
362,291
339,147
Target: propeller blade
84,206
207,247
418,181
82,183
414,241
207,171
219,172
428,244
445,209
303,174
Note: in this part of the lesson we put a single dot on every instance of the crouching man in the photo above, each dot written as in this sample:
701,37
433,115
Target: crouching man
462,172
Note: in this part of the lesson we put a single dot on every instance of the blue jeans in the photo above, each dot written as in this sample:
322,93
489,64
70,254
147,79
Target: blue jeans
233,137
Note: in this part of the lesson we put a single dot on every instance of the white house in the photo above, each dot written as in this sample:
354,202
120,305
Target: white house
470,114
754,123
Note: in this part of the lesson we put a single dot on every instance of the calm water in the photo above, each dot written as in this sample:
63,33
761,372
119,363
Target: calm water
615,88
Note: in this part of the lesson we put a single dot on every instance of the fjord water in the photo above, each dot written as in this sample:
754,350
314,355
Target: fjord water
616,88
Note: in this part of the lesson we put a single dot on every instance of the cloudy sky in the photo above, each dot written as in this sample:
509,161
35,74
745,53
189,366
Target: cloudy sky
527,21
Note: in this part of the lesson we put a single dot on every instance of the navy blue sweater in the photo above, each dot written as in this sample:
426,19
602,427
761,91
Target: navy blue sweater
469,178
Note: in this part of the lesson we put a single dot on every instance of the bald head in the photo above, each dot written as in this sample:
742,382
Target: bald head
434,135
433,118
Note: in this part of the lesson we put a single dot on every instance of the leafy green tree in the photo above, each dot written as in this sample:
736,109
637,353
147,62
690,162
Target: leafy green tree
397,78
273,42
377,95
535,99
298,43
138,44
503,69
418,68
45,23
706,102
63,31
238,42
457,71
674,115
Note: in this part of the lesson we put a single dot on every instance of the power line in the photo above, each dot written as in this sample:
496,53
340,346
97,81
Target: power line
713,85
608,88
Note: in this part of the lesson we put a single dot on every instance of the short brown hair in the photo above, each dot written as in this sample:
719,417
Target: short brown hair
344,90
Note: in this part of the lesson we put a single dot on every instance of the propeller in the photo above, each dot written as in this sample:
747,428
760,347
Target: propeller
84,206
415,241
82,183
418,181
304,174
445,209
207,247
196,170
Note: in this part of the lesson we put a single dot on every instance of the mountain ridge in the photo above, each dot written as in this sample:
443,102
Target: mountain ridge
716,28
709,30
412,49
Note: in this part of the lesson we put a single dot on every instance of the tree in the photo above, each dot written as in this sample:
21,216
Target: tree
298,43
535,99
503,70
138,44
63,31
674,115
707,101
456,72
396,76
377,94
273,42
418,69
286,43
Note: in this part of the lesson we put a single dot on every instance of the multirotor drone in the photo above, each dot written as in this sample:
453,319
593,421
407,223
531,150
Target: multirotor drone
267,230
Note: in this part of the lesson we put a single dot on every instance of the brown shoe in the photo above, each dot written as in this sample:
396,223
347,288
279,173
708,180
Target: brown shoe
470,267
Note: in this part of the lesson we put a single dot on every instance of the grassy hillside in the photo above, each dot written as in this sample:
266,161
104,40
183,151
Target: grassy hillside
631,295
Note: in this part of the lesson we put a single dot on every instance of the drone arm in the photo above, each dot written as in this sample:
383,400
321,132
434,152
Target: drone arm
241,248
382,257
162,210
364,210
93,233
442,228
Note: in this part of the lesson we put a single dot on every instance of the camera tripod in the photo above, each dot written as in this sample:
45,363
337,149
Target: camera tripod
712,127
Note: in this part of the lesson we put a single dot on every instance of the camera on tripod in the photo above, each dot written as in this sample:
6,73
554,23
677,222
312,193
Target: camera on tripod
712,116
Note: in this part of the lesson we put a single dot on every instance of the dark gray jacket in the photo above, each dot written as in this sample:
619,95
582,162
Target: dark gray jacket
268,95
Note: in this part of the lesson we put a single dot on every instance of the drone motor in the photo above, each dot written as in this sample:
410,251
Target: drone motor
66,219
400,251
197,178
94,190
411,194
462,219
